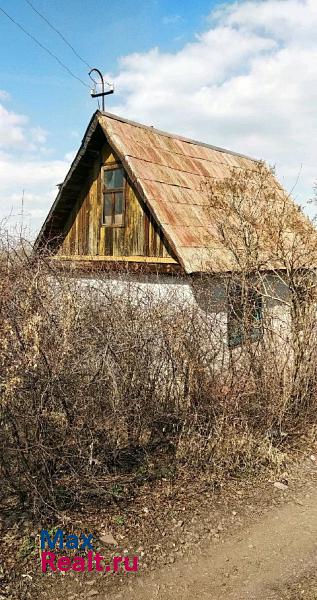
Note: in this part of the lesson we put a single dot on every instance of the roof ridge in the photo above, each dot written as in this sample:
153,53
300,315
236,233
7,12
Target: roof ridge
175,136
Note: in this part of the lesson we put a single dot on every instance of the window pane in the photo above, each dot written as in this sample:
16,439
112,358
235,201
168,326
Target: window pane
118,210
113,178
107,209
244,315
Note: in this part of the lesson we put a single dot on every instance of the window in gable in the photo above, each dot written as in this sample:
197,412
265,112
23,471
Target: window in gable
113,196
245,315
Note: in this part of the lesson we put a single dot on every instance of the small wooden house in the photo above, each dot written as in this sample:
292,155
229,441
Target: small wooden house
138,199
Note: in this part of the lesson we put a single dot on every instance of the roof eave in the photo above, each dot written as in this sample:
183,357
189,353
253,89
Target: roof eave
94,121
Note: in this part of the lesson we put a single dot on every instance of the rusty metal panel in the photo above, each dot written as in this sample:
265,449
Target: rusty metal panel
186,236
162,192
146,170
171,204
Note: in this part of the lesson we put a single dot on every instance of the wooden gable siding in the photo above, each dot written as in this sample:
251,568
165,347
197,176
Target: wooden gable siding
85,235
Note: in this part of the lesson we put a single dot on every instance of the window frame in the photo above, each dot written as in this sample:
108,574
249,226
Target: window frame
112,191
237,333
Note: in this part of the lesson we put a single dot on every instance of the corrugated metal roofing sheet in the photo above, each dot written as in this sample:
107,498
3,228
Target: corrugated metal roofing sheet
176,177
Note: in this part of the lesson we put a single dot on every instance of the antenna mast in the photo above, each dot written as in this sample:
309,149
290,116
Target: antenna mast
94,93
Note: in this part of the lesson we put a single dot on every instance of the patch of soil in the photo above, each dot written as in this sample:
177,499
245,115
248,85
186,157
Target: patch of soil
165,522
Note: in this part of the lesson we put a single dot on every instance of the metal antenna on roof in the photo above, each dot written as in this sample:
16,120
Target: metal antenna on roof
102,82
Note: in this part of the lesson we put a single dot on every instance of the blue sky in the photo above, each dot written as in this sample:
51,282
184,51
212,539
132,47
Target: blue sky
101,32
241,75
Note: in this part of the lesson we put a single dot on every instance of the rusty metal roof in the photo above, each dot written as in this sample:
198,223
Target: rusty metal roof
182,183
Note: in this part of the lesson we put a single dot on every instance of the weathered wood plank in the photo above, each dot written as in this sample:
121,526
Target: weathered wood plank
118,241
99,211
85,234
102,242
109,241
135,231
145,259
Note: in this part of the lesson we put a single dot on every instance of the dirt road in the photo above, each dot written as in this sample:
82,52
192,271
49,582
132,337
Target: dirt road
257,563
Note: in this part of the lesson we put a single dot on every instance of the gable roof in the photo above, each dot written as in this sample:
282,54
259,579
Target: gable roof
172,175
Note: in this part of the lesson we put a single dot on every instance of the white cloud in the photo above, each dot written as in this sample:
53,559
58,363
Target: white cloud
15,131
33,173
248,83
69,156
24,173
25,211
12,126
33,180
4,95
38,135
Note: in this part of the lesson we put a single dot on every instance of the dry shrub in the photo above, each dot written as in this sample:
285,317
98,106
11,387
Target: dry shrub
99,382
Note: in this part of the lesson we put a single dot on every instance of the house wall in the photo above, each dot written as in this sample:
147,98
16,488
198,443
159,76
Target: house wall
207,294
85,235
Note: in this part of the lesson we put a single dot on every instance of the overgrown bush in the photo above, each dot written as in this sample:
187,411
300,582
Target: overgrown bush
101,380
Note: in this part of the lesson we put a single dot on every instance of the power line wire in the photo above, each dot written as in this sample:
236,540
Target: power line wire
44,48
45,19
